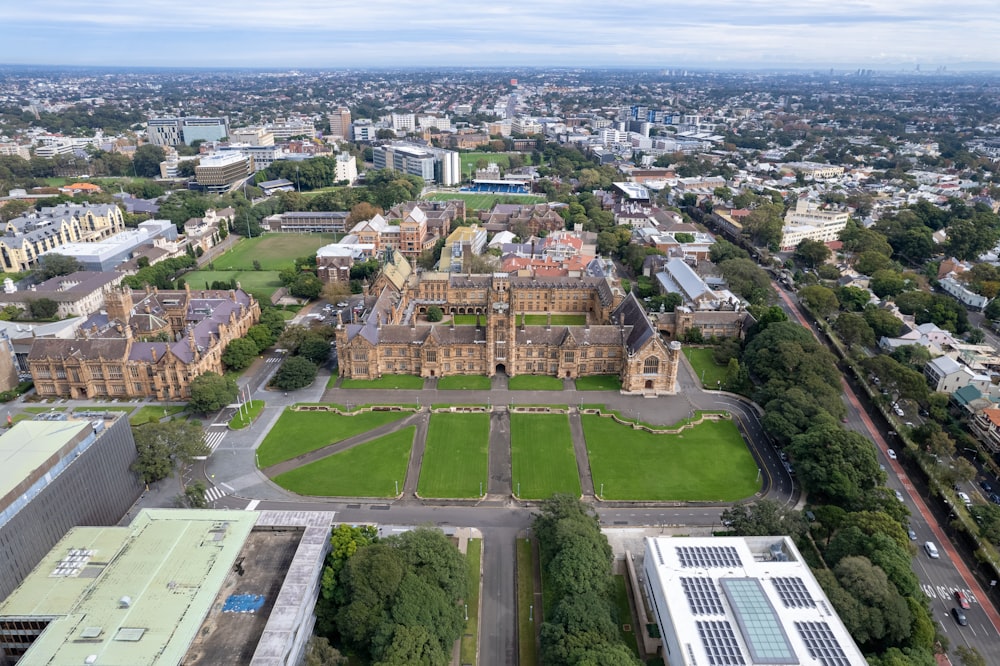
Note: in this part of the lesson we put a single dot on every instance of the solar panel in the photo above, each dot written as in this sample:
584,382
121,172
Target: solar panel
709,556
720,643
793,593
702,596
822,644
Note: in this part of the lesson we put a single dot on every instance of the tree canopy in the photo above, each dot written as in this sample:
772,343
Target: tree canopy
163,447
210,392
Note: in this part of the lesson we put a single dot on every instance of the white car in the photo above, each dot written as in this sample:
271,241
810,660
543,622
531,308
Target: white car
342,304
891,453
966,500
899,495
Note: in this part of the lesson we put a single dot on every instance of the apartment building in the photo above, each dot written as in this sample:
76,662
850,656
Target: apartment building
27,237
340,124
433,165
808,222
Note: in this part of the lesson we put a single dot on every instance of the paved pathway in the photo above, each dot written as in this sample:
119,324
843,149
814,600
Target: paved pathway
416,456
580,449
500,463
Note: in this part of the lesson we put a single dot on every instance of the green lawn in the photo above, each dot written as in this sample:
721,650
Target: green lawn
385,382
464,383
709,462
456,460
485,201
599,383
296,433
40,410
470,637
534,383
372,469
542,459
624,613
104,408
261,284
525,598
709,372
151,414
273,251
503,159
247,415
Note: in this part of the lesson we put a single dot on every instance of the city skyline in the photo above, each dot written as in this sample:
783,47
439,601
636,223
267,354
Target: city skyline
305,33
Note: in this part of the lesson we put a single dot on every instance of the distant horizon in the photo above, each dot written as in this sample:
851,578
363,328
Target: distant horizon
881,35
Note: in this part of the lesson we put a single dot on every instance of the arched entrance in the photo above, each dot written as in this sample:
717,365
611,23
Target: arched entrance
501,369
649,383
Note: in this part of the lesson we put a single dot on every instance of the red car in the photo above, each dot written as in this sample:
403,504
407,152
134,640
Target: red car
961,599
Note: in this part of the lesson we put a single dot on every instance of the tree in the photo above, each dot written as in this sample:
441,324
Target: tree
853,299
240,353
763,518
52,265
812,252
261,336
836,465
296,372
306,285
43,308
315,348
146,160
854,330
882,322
194,495
336,291
162,447
748,280
210,392
434,313
820,300
319,652
869,263
886,283
271,317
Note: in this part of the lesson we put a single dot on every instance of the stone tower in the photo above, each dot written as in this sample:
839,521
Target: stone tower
118,303
499,326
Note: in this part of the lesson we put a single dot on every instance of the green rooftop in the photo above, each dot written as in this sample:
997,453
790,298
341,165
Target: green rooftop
132,595
30,445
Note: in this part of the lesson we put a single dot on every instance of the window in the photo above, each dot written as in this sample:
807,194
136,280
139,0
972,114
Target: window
651,366
432,357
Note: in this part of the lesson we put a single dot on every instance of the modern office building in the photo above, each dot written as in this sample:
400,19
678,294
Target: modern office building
340,124
27,237
175,586
364,131
741,600
807,222
223,172
174,131
433,165
58,474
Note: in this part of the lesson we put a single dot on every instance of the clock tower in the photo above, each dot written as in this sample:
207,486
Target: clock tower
500,326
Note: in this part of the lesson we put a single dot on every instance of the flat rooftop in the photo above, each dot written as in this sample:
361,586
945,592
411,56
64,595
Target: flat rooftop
30,449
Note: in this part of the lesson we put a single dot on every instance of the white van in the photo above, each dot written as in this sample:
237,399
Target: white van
931,549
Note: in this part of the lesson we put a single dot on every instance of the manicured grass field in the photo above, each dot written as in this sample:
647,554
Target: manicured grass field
151,414
104,408
456,460
296,433
525,599
484,201
372,469
599,383
470,637
385,382
261,284
464,383
534,383
542,459
709,462
273,251
40,410
709,372
249,413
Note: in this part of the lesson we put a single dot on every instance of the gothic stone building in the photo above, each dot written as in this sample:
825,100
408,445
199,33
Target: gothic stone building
148,345
617,338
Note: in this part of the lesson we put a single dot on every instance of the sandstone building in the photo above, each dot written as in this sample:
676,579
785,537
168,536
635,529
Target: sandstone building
616,338
149,345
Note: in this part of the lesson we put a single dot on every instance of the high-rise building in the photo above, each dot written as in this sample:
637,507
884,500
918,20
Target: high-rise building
434,165
340,124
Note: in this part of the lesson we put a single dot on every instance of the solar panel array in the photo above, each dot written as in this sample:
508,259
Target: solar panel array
70,565
709,556
793,593
702,596
822,644
720,643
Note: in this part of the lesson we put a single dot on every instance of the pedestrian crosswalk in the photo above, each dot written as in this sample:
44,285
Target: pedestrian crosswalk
216,493
213,438
273,359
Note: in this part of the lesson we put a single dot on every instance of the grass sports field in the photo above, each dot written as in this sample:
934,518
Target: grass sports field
711,373
296,433
477,201
372,469
709,462
456,458
273,251
542,460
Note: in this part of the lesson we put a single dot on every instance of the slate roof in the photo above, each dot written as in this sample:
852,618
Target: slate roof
630,313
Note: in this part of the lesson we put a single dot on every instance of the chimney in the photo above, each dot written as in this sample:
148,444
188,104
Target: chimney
378,321
522,321
152,351
191,344
232,295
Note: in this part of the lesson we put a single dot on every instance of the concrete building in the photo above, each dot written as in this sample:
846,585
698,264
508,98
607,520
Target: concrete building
173,587
109,253
364,131
806,222
252,136
433,165
223,172
148,345
78,294
57,475
340,124
618,337
307,222
27,237
345,168
174,131
741,600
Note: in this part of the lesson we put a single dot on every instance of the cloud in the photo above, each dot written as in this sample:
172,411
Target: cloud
323,33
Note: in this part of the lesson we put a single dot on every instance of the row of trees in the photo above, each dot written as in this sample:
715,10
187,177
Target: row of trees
581,627
394,601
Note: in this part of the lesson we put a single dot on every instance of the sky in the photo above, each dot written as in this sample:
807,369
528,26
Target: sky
878,34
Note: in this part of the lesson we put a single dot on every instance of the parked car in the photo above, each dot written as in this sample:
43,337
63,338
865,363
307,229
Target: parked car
891,453
912,534
995,498
959,616
965,499
985,485
342,304
961,599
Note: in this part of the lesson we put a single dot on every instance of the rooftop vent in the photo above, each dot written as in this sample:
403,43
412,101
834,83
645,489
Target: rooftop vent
125,602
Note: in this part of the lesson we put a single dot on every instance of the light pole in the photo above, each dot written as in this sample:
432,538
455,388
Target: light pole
397,486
